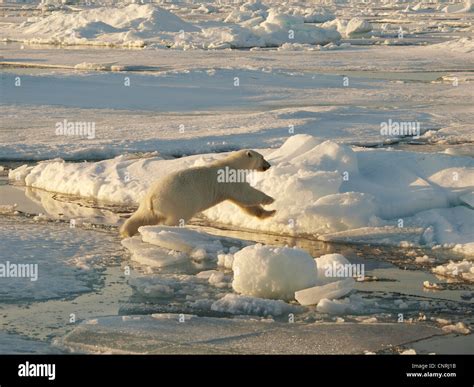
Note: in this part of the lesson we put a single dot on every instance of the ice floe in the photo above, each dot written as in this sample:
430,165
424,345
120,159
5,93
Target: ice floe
161,246
404,198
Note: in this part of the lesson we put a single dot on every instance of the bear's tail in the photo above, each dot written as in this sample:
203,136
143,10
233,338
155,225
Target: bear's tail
131,226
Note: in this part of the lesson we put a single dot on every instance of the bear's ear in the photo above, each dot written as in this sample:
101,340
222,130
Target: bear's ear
249,154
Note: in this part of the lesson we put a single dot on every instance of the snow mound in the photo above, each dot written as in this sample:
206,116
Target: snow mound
357,26
279,28
119,25
265,29
138,25
273,272
446,227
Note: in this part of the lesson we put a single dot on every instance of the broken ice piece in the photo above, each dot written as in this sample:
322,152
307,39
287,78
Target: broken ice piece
432,285
460,327
311,296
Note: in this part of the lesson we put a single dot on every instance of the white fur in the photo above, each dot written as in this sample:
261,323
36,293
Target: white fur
179,196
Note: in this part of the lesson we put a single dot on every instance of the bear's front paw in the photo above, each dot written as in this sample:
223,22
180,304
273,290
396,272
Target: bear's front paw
267,200
267,214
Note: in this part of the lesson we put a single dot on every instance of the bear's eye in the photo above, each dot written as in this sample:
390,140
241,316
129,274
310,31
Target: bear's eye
249,154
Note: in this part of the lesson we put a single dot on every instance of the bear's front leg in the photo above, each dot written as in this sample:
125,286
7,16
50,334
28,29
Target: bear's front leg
258,211
246,196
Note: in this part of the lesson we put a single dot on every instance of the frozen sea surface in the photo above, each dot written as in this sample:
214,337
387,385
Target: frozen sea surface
66,266
393,286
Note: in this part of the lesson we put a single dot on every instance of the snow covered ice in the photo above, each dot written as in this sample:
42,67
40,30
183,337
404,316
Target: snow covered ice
341,188
136,25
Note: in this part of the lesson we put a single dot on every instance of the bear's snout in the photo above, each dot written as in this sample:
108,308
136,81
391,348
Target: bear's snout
265,166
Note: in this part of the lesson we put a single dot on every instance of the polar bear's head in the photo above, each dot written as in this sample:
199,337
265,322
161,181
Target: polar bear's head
249,159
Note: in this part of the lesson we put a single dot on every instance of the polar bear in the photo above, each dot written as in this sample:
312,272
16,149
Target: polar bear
177,197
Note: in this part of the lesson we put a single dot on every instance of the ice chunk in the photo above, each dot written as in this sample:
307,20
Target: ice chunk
326,265
460,327
215,277
99,66
19,174
463,269
153,288
332,307
243,305
350,305
432,285
312,296
7,208
464,248
181,239
424,259
273,272
358,26
151,255
225,260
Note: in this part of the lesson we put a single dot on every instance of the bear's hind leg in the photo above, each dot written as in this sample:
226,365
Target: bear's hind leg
132,224
174,221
